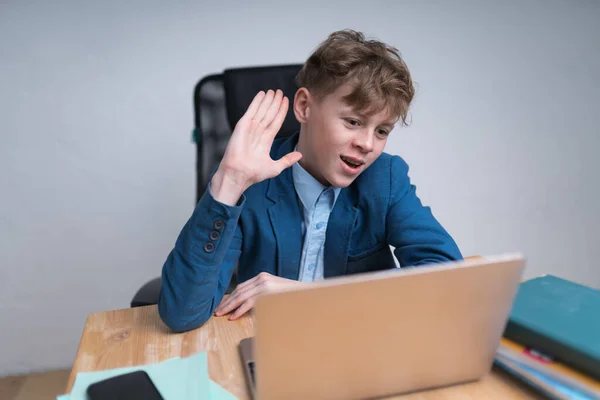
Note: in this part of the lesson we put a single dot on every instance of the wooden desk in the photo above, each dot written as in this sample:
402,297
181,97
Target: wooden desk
137,336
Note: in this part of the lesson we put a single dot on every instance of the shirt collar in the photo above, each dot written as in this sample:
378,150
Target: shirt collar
308,188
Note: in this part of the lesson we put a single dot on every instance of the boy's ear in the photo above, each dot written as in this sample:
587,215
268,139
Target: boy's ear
302,105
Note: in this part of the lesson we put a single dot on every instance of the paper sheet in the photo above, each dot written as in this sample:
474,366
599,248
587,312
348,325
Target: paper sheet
175,378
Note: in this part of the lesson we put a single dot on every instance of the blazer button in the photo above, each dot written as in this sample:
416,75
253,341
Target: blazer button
214,235
218,224
209,247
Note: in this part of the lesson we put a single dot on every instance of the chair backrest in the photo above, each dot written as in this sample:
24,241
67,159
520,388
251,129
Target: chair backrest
220,100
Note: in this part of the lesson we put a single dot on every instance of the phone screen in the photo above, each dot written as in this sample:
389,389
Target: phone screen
131,386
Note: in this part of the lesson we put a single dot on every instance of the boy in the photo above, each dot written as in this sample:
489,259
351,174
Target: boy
325,202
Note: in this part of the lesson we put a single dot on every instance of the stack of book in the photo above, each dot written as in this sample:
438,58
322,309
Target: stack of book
552,339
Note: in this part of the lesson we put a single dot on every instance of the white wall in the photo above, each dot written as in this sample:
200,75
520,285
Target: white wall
97,163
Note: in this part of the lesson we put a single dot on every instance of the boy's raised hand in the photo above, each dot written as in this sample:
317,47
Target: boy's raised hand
247,158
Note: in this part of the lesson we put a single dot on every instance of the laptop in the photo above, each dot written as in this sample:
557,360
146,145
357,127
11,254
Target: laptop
382,333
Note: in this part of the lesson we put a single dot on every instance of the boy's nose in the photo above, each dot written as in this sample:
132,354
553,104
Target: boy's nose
364,141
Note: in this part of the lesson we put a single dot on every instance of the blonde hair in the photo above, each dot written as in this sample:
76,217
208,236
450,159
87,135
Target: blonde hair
379,77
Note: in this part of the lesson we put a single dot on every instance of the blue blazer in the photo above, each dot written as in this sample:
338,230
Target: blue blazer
263,232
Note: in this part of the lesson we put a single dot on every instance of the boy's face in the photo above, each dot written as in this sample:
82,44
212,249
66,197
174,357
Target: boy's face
337,142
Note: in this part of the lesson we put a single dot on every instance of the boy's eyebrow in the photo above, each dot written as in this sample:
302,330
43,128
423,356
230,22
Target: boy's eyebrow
389,123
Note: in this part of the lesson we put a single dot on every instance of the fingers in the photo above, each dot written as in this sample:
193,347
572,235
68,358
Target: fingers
288,160
243,309
253,284
273,108
277,121
256,102
225,304
237,299
249,282
239,295
230,304
264,106
244,296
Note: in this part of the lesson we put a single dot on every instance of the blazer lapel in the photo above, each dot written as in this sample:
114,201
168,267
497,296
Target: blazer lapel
339,232
286,217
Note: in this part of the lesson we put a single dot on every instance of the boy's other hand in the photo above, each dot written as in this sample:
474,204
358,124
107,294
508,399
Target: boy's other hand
244,296
247,158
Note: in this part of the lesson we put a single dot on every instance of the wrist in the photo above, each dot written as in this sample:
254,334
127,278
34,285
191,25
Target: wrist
226,189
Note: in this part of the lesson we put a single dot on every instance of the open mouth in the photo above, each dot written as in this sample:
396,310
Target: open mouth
352,162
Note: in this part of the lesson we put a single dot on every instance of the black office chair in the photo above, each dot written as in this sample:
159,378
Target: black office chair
220,100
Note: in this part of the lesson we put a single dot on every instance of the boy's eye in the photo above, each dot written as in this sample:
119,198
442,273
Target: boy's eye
352,122
382,132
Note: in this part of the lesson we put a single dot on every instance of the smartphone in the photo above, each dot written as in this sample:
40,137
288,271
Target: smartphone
131,386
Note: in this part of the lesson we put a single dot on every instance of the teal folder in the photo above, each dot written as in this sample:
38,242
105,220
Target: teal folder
559,318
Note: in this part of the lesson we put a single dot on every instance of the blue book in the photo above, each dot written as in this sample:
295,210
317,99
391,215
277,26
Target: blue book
559,318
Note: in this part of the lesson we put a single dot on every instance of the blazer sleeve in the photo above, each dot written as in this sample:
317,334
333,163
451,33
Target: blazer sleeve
411,228
199,268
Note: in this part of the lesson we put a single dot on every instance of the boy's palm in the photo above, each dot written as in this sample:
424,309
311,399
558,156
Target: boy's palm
247,158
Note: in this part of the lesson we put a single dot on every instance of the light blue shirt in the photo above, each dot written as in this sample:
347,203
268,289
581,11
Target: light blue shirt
317,202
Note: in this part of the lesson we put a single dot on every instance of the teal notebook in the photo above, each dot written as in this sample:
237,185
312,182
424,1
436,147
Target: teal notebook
559,318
